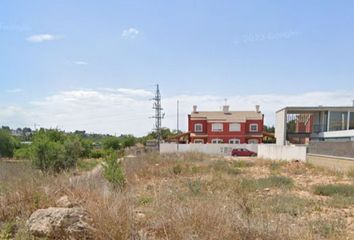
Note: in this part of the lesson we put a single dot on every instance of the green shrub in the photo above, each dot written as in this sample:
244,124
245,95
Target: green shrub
52,150
24,152
177,169
111,143
113,171
98,153
7,144
344,190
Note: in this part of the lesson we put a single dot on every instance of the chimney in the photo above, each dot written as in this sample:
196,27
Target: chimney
194,108
226,108
257,109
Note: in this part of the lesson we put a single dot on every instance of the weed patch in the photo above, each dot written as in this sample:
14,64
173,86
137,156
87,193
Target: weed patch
344,190
273,181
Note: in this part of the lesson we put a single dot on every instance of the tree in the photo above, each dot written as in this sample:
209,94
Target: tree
112,143
54,151
7,143
128,141
269,129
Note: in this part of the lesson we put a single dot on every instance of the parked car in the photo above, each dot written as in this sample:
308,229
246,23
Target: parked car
243,152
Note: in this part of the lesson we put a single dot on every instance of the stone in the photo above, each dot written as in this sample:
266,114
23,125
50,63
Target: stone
60,223
64,202
266,189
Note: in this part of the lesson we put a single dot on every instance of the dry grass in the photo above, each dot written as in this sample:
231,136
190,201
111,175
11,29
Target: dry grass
187,196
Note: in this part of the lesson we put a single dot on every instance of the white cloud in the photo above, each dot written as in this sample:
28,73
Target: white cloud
14,90
125,110
130,33
135,92
42,38
80,63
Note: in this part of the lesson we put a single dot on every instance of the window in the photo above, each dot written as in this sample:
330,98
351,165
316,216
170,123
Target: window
254,127
234,141
234,127
216,141
198,141
351,120
198,127
338,121
217,127
253,141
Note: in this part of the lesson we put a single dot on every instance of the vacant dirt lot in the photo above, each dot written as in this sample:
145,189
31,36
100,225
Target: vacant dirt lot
191,196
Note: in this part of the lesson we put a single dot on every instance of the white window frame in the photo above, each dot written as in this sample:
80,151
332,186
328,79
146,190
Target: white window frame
198,141
216,141
214,129
233,125
253,141
252,125
198,125
234,141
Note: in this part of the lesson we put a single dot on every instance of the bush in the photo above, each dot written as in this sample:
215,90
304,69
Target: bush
7,144
113,171
343,190
51,150
177,169
111,143
23,152
97,153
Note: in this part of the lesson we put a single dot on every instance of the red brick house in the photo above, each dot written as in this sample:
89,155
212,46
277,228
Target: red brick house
225,126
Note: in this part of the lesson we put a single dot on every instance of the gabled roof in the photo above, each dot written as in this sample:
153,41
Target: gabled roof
231,116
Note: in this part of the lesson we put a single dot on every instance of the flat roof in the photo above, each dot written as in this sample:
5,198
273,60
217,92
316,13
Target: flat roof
317,108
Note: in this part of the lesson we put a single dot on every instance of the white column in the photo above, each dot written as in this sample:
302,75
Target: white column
348,119
328,116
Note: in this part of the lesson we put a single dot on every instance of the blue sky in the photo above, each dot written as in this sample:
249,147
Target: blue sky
240,50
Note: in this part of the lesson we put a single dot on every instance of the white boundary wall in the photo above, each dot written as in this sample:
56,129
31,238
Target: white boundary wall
285,153
222,149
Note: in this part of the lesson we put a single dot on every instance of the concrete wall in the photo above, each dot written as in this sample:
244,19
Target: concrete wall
286,153
280,127
220,149
331,162
340,149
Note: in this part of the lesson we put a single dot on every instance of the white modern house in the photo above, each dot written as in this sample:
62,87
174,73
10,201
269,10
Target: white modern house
300,125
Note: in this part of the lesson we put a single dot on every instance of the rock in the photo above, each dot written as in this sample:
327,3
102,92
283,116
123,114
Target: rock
266,189
60,223
64,202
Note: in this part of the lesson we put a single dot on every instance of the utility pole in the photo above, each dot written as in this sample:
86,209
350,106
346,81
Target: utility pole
177,125
158,115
